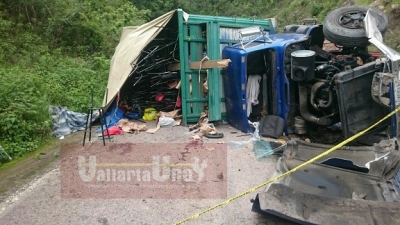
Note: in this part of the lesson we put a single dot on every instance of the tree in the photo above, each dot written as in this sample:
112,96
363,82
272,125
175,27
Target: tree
77,26
156,7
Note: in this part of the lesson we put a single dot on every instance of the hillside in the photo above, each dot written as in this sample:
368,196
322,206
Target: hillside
54,52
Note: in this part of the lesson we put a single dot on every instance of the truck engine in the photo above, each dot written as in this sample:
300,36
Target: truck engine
314,73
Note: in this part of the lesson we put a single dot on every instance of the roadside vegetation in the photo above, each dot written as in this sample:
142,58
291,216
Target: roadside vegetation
54,51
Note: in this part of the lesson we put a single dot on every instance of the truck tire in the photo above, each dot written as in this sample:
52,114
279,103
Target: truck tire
345,27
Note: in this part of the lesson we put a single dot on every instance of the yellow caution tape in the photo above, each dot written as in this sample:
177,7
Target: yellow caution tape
274,179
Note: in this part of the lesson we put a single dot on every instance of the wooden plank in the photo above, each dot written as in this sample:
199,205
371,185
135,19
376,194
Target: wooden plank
221,63
207,64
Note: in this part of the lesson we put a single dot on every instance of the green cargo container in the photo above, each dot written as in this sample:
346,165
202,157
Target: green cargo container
194,34
220,32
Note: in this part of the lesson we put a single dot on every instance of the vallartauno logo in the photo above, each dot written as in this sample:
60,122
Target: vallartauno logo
162,170
158,172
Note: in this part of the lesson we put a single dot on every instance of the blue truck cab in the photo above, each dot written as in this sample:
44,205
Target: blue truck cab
302,81
268,56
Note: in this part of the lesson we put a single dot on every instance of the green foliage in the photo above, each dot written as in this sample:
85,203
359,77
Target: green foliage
285,11
83,27
53,52
155,8
24,120
92,26
392,39
27,93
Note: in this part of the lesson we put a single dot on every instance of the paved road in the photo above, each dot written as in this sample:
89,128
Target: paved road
40,202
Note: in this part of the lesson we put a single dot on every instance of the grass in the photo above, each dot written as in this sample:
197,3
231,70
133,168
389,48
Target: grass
48,145
364,2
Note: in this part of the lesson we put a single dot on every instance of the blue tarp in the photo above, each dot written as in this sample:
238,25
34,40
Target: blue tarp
113,115
66,122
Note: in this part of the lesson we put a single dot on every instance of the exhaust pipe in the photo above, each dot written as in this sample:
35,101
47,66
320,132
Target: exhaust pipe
303,107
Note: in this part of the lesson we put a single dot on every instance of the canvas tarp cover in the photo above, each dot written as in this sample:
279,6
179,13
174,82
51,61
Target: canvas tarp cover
133,41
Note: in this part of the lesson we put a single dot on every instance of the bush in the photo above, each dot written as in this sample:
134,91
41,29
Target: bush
24,120
54,53
52,80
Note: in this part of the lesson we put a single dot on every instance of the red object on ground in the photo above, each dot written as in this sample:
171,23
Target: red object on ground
113,131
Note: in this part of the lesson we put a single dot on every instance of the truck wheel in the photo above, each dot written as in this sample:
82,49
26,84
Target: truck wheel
345,26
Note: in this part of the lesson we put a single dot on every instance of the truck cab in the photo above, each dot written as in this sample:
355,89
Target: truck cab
314,87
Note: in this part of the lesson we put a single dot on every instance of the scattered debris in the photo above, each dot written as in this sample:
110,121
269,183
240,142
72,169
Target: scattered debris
358,196
165,119
170,116
196,137
214,134
264,148
204,128
131,127
202,120
210,148
114,130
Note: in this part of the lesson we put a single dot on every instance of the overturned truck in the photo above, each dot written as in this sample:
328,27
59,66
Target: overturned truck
311,85
328,92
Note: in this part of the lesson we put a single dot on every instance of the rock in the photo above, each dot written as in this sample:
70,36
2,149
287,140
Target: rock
220,176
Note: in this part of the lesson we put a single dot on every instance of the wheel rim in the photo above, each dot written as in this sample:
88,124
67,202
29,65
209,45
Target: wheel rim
352,20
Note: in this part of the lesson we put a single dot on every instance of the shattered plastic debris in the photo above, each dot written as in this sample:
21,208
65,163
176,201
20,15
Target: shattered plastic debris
166,121
264,148
261,147
256,136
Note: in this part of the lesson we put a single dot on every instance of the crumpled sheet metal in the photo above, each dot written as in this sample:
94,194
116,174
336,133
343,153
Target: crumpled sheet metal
322,193
304,208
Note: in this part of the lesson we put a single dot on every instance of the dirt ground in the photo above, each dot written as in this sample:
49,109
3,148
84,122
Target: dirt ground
33,196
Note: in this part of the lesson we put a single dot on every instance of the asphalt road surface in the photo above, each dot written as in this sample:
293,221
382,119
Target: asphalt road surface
39,200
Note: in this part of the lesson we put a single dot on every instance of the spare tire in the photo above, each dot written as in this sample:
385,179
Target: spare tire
345,26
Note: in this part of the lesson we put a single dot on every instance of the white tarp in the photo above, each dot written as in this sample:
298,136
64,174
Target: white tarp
133,41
